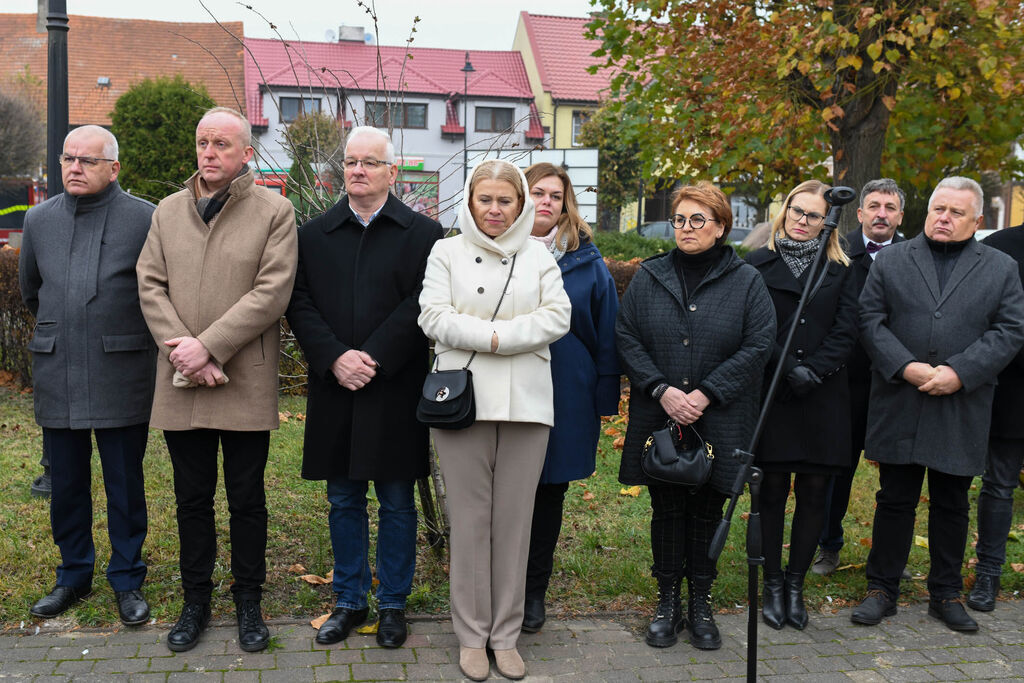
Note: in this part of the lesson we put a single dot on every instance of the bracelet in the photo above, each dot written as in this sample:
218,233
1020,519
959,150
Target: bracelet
659,391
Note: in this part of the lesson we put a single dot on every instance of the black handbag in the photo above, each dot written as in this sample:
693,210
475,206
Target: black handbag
674,456
447,401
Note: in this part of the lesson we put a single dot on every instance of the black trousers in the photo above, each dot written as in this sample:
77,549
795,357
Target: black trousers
70,456
194,457
896,502
682,526
547,524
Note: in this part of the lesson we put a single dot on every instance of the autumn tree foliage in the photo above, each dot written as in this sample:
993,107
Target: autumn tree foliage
767,91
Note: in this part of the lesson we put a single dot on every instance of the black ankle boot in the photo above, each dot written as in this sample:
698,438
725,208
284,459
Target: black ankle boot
668,618
796,612
773,611
699,615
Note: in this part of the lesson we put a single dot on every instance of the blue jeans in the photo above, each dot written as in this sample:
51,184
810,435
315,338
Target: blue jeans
995,503
350,540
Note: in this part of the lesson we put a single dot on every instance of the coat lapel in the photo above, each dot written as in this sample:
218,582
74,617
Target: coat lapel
922,258
969,258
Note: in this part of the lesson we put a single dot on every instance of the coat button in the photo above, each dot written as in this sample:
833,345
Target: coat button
478,259
938,314
803,321
479,290
799,353
686,342
504,261
693,307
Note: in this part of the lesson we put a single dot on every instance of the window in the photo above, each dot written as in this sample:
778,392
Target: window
398,114
493,119
578,119
293,107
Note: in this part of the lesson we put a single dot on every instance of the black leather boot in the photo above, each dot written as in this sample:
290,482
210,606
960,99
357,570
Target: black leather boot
796,612
983,596
773,611
668,618
699,615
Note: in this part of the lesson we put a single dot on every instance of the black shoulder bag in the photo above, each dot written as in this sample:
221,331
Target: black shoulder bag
447,399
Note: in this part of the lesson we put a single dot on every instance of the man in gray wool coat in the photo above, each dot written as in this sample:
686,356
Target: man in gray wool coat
941,315
92,366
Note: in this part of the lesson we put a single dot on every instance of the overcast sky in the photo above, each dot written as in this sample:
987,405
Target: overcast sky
462,24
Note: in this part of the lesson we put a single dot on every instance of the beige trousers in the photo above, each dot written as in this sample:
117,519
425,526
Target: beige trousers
490,474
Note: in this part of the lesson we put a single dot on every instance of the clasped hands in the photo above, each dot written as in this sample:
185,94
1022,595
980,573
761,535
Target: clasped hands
684,408
940,380
191,358
354,369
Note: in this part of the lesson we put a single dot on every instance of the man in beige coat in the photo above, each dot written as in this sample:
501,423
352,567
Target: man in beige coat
215,277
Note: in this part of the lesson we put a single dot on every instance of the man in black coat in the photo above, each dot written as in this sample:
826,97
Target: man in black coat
92,366
941,316
1005,457
353,311
880,213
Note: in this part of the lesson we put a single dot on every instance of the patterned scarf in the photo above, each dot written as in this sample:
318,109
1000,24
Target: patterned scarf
797,255
548,240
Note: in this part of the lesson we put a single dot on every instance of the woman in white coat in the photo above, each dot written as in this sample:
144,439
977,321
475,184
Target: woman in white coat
491,467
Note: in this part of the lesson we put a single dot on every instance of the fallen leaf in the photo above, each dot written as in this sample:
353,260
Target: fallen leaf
972,563
319,621
744,516
297,569
587,495
921,541
1017,567
281,417
866,542
368,628
631,491
612,431
619,442
1014,536
314,579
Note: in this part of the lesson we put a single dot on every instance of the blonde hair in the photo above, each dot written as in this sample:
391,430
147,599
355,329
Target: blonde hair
496,169
571,225
834,250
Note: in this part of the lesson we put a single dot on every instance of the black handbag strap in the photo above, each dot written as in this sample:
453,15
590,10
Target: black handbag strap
498,307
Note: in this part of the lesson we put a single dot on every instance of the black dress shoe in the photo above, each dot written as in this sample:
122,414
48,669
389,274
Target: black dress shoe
338,625
42,486
391,628
533,615
253,635
132,607
983,596
185,633
59,600
952,613
874,607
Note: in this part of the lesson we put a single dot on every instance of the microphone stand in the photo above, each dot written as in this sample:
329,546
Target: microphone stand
748,474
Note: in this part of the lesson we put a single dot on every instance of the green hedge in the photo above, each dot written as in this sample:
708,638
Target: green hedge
16,322
625,246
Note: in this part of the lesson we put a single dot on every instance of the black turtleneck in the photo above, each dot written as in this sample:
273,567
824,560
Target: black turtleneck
84,203
945,254
691,268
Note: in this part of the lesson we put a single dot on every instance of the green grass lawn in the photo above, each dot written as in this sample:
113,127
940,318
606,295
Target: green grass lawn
603,561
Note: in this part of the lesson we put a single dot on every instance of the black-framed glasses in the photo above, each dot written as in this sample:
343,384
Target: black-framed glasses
368,163
796,213
696,221
86,162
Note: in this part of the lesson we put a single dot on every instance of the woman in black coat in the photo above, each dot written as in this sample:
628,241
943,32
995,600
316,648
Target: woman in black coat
694,333
807,432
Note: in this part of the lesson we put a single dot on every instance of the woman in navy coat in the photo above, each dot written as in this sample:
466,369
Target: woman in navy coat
584,370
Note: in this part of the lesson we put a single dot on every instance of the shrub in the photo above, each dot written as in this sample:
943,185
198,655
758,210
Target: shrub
16,322
624,246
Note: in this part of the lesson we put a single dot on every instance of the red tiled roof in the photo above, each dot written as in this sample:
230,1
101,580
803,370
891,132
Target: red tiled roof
353,66
563,54
126,51
536,129
451,119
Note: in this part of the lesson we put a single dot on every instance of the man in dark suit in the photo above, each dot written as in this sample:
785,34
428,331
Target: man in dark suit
353,311
941,316
880,214
92,366
1005,457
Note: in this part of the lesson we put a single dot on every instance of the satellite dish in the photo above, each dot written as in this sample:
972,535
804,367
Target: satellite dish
330,36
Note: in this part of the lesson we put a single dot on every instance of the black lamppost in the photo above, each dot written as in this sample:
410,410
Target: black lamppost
466,70
56,92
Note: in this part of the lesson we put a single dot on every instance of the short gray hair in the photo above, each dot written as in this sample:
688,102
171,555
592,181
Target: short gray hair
885,186
109,141
955,182
246,126
359,131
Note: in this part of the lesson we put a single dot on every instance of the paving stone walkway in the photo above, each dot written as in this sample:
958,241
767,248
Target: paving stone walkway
908,647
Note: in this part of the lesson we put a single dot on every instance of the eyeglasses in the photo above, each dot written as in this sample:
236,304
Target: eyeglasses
796,213
368,164
86,162
696,221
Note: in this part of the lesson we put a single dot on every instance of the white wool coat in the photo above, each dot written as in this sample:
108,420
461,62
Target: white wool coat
463,282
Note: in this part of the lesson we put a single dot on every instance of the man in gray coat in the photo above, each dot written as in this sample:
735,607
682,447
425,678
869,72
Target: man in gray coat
941,315
92,366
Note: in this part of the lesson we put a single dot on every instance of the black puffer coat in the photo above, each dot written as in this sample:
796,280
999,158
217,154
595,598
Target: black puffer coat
720,338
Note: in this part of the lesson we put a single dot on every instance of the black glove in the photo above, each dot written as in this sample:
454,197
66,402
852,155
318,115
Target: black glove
802,380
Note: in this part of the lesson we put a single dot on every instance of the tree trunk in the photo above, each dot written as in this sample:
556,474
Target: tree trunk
857,148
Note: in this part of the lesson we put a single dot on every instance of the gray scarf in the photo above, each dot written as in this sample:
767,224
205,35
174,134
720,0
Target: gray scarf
797,255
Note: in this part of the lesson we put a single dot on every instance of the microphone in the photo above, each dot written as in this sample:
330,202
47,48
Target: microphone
840,195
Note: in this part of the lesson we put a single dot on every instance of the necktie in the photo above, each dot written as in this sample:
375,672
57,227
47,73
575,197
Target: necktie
873,247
